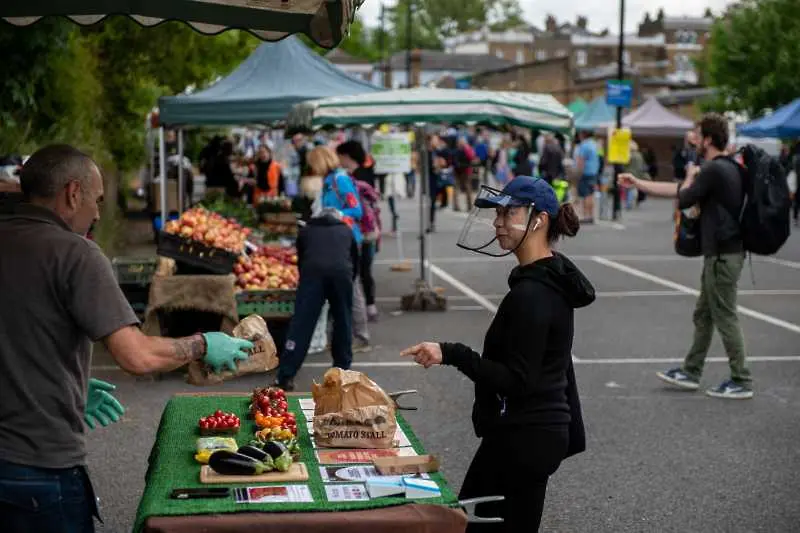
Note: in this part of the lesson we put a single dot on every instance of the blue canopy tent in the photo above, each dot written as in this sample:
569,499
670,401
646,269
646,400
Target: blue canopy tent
263,88
782,124
596,114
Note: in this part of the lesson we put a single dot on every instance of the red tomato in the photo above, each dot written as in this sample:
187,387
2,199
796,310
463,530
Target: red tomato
282,405
212,424
290,416
204,424
217,413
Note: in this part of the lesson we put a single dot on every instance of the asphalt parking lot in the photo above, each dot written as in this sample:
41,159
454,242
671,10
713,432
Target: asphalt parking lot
658,460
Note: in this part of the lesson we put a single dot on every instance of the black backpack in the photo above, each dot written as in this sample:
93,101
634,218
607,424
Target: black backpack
764,220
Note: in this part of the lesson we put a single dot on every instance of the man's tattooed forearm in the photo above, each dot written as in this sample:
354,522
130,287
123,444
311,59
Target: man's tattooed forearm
189,348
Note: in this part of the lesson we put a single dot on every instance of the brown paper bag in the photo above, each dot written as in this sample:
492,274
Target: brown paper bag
263,356
352,411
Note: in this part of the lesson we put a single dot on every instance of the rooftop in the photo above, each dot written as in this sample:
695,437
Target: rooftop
438,60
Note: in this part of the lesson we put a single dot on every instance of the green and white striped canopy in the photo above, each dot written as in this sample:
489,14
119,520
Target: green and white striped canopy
326,22
425,106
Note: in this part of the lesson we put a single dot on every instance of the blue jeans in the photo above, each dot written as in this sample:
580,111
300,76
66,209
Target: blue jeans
45,499
311,294
587,186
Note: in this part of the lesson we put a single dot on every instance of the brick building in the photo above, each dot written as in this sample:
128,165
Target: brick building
571,62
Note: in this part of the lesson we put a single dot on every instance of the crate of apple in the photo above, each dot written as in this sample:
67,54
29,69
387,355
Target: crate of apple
211,229
264,271
219,423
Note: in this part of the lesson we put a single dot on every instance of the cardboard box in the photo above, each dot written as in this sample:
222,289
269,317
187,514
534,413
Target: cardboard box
172,195
419,464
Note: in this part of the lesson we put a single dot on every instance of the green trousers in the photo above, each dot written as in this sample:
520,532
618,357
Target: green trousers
716,306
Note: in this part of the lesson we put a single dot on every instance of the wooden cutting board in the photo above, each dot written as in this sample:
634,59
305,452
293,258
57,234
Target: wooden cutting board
297,472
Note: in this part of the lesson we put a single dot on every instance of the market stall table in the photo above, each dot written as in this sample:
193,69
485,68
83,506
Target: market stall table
171,465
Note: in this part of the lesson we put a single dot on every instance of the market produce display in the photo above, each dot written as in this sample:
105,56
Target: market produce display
219,422
329,485
269,267
270,411
241,212
209,228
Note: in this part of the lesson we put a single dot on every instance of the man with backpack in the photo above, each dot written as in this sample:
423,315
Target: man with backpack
718,189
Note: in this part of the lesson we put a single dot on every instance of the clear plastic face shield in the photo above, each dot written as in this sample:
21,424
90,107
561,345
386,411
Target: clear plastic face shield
497,224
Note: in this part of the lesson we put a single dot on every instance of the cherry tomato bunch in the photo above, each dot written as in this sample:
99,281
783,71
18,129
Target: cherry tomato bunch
271,411
219,420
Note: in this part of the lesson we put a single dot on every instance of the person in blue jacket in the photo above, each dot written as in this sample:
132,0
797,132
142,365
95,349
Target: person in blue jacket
338,189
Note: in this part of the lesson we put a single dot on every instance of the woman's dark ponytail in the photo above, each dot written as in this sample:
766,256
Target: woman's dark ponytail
566,224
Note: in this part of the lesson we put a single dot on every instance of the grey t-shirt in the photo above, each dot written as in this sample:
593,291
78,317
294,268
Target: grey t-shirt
58,294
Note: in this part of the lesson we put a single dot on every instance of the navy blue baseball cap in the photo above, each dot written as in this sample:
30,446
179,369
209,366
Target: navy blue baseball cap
523,191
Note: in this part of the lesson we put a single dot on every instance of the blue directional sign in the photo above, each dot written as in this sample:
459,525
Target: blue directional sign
619,93
463,83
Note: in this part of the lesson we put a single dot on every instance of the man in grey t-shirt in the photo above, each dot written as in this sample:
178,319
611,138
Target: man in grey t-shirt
59,295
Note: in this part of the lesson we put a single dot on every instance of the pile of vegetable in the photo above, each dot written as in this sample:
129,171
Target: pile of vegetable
274,448
251,461
243,213
270,411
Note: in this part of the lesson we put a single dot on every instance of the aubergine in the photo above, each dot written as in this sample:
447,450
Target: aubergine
251,451
274,448
230,463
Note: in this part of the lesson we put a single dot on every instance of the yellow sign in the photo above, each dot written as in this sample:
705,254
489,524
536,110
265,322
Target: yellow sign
619,146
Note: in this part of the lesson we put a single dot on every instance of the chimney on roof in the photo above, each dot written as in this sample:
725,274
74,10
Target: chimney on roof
416,67
582,22
550,24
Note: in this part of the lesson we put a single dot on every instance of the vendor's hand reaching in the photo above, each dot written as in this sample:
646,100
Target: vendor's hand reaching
426,354
627,180
222,351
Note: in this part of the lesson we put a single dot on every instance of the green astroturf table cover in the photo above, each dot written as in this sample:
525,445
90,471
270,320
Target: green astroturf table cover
172,464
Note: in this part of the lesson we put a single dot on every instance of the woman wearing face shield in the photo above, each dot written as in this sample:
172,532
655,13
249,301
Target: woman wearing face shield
526,410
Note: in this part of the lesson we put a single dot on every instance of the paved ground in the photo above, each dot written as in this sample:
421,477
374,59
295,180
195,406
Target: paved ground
657,460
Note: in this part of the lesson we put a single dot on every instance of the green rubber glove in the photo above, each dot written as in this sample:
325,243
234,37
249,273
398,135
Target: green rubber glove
100,405
223,351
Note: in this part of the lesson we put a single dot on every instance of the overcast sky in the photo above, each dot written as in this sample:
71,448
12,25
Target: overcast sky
601,13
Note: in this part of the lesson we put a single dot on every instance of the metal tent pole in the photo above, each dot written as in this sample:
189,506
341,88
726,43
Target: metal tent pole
162,168
181,184
617,201
423,158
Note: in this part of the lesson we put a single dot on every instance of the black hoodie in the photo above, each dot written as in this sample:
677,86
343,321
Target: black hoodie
326,247
525,375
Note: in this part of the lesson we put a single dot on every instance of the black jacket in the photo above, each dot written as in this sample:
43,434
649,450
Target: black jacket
525,375
717,191
326,247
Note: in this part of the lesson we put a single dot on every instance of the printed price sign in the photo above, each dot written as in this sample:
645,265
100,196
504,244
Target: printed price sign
391,152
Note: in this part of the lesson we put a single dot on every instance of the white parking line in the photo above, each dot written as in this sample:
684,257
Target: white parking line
438,272
782,262
576,360
688,290
610,223
671,360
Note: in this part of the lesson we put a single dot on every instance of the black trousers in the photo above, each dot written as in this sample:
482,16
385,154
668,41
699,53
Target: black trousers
312,292
514,463
365,270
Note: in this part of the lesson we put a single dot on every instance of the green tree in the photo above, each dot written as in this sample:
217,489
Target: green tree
752,56
359,42
506,14
435,20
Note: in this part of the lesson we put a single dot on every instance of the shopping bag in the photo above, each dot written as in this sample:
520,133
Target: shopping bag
352,411
687,232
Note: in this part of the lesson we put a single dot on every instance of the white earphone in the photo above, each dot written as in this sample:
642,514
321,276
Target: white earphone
536,226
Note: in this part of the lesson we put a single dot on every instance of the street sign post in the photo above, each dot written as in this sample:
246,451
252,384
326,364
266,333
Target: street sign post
619,93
